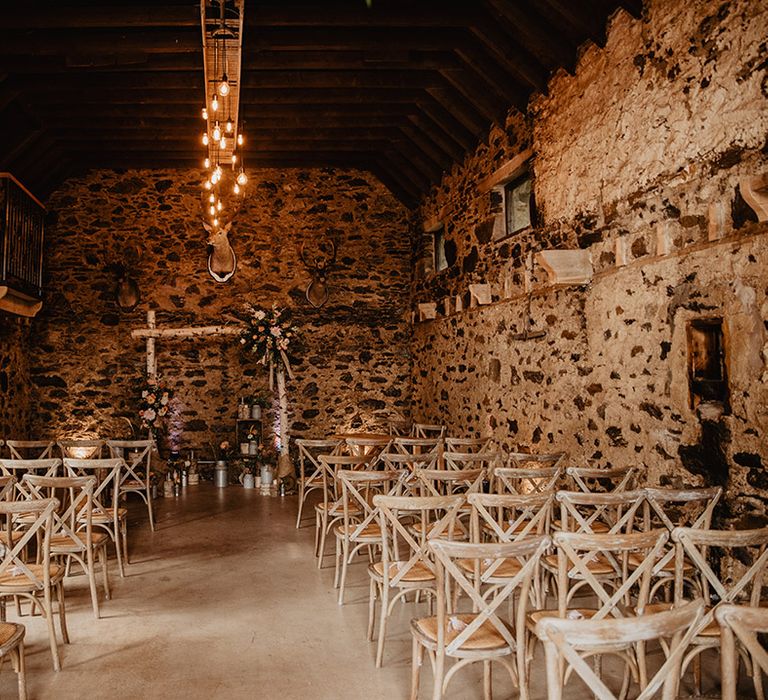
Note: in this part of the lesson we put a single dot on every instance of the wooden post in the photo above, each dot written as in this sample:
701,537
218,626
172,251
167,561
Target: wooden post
284,466
151,358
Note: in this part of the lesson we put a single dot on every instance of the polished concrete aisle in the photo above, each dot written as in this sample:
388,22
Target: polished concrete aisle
225,600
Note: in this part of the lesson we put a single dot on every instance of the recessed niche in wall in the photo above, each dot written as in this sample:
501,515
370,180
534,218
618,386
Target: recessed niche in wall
707,375
438,244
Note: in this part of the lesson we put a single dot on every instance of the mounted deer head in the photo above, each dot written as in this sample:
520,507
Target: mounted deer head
222,261
318,266
127,293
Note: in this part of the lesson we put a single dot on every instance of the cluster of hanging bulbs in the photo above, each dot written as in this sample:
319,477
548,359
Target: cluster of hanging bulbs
219,137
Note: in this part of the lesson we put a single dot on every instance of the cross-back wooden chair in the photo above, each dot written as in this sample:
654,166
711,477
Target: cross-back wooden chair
565,640
107,515
136,476
526,460
6,487
406,563
12,646
359,527
409,465
600,479
507,518
444,482
81,449
482,444
39,581
367,446
743,555
595,567
470,460
417,446
330,510
480,634
612,512
30,449
19,467
310,468
72,536
525,480
427,430
739,627
671,508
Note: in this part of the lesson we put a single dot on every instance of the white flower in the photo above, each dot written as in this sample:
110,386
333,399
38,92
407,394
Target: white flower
242,341
275,331
144,394
164,399
150,415
259,315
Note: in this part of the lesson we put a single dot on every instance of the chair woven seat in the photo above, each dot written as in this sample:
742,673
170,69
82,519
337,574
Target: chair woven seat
418,572
107,516
10,632
131,484
13,578
485,637
598,566
372,531
508,568
65,543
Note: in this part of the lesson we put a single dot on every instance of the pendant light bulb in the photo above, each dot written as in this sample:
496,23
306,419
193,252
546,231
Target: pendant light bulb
219,205
212,198
207,184
216,132
234,158
224,86
230,126
205,113
223,143
215,103
242,178
236,189
240,139
207,163
205,139
215,221
213,210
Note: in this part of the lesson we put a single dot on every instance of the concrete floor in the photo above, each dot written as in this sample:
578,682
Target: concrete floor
224,600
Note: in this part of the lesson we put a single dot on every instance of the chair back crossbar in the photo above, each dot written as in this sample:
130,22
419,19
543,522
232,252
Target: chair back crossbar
20,467
599,479
563,639
454,444
30,449
612,512
13,564
509,517
524,480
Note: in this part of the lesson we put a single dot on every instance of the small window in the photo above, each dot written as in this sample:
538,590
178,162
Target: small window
518,204
707,377
441,262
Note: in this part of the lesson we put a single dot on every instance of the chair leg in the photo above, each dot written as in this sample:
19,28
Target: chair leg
104,561
124,535
321,548
344,564
301,503
48,613
383,615
554,672
150,509
371,609
416,659
437,689
62,612
22,671
487,686
317,530
91,565
119,550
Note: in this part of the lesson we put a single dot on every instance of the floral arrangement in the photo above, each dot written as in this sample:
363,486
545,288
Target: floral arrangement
265,454
223,451
268,334
155,399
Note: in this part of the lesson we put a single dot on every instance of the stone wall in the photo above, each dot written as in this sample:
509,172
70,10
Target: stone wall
636,158
353,367
15,402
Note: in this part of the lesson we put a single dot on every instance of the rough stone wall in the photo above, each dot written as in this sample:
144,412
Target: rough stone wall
353,367
637,158
15,403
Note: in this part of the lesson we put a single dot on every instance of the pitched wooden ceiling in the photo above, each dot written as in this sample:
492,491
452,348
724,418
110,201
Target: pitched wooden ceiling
403,88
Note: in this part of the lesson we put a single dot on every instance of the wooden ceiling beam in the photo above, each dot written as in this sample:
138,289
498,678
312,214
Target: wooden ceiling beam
465,112
475,92
436,155
417,158
404,171
431,130
474,56
451,126
565,13
402,191
132,15
542,39
426,15
102,42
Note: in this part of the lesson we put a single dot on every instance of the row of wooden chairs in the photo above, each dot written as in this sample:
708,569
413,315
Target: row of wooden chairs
616,510
135,478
